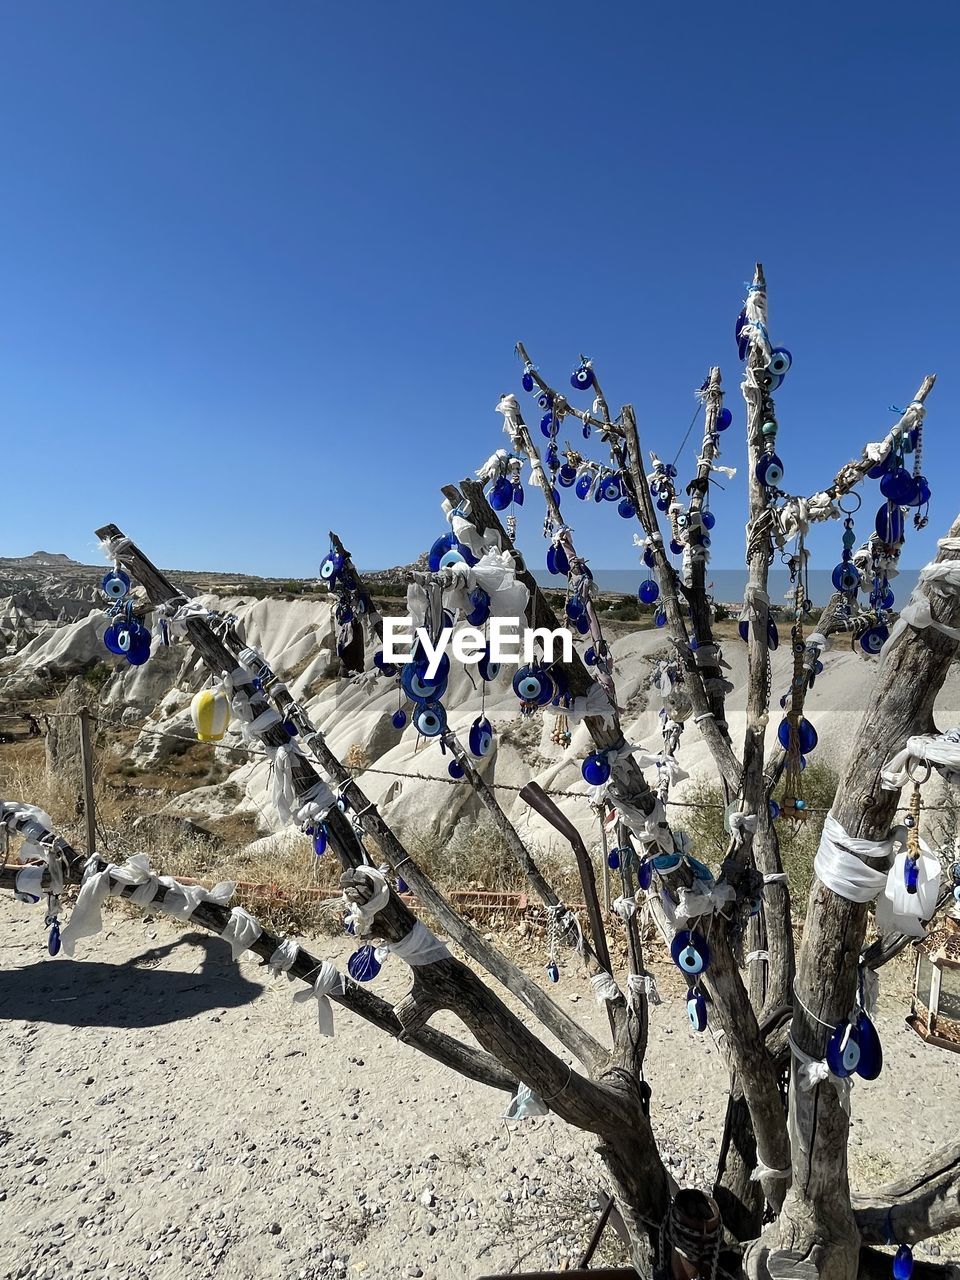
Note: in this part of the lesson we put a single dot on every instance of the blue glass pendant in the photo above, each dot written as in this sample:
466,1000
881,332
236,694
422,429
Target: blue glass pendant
900,487
645,874
518,494
780,361
488,669
596,769
575,608
584,485
544,399
843,1051
613,859
115,584
582,378
53,941
911,875
480,739
548,425
769,470
481,607
648,592
582,625
527,382
690,952
430,720
532,684
626,509
666,862
873,640
320,841
871,1051
139,650
676,548
331,566
456,770
446,542
724,419
773,635
889,524
567,475
697,1010
398,719
903,1263
501,495
743,629
553,971
648,559
414,682
363,965
557,557
610,489
774,810
806,735
402,886
880,468
590,656
112,640
708,519
660,616
846,577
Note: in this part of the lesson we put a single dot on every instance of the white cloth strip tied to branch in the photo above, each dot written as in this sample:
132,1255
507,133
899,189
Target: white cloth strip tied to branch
605,987
649,829
942,580
361,914
495,573
625,908
242,931
525,1104
329,980
465,531
838,862
315,804
940,751
509,406
742,824
764,1171
419,947
284,958
797,515
814,1071
643,984
700,899
662,761
596,702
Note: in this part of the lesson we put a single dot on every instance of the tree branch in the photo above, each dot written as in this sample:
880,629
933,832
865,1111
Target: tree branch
922,1203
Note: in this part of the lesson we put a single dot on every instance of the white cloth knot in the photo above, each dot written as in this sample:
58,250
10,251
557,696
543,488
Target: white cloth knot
242,931
329,981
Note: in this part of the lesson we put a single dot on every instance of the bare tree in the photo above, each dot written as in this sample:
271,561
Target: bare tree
782,1187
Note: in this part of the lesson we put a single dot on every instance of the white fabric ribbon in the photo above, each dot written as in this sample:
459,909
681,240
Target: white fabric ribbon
329,980
466,532
840,869
242,931
813,1071
28,886
604,987
740,823
662,761
596,702
625,908
361,914
283,959
941,751
512,421
284,791
765,1171
942,580
643,984
524,1104
419,947
315,804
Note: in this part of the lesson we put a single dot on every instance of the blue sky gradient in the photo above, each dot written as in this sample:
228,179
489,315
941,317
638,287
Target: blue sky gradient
265,264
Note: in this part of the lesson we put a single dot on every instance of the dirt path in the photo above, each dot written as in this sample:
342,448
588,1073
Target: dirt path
168,1113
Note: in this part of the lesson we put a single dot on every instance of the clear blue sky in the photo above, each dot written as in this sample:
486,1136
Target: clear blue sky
264,264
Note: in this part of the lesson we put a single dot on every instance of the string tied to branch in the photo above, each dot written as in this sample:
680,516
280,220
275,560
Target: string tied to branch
812,1072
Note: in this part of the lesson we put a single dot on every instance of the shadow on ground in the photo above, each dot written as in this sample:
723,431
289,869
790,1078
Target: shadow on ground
87,993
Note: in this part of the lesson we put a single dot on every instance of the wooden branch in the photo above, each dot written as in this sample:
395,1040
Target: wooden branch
544,1070
901,704
561,402
922,1203
874,1265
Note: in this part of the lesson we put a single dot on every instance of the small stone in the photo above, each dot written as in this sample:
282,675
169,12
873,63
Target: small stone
275,1228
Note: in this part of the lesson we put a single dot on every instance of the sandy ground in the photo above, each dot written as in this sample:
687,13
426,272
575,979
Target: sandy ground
169,1113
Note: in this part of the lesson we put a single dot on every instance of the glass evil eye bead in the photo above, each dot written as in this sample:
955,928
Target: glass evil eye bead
567,475
527,381
553,971
846,577
843,1051
139,650
532,684
769,470
780,361
575,608
545,400
900,487
584,485
806,735
871,1050
648,559
115,584
112,641
582,379
645,874
421,688
596,769
501,495
320,841
613,859
697,1010
385,668
889,524
874,638
480,611
590,656
398,719
626,509
53,941
660,616
690,952
911,875
648,592
430,720
903,1263
446,542
518,493
456,770
923,493
557,562
331,566
724,419
363,965
610,489
548,425
488,669
708,519
480,738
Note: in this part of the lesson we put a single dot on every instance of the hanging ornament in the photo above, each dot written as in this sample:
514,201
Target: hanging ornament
480,739
690,952
780,361
363,965
430,720
399,719
320,840
596,768
115,585
697,1009
648,592
210,713
582,378
456,770
903,1263
533,686
331,566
